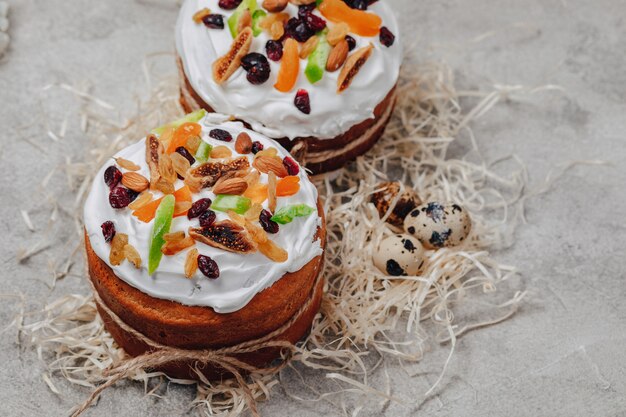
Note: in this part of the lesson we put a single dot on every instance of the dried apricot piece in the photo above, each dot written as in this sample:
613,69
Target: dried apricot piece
147,212
362,23
257,193
289,67
173,247
181,134
288,186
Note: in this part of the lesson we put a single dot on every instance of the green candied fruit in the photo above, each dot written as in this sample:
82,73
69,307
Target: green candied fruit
316,64
236,203
193,117
233,20
203,152
256,19
162,223
286,214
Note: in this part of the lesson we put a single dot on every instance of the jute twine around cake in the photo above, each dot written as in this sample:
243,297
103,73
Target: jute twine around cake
224,357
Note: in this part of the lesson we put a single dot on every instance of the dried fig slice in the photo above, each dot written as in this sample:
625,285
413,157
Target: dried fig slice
207,174
352,66
154,148
225,235
226,65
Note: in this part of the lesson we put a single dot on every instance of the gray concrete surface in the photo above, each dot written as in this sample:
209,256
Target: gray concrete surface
562,355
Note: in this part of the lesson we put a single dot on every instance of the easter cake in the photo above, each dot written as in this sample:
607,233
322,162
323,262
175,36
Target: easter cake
317,76
204,236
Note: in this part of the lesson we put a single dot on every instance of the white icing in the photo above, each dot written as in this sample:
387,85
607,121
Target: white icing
242,276
268,110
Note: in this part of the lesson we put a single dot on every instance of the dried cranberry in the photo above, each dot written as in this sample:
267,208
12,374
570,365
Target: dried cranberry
386,37
207,218
298,30
112,176
121,197
266,222
351,42
306,9
198,207
213,21
108,230
274,50
257,67
257,147
291,166
229,4
208,267
302,101
221,134
314,22
184,152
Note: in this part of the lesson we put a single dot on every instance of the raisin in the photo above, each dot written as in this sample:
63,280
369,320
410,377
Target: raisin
257,67
121,197
208,267
257,146
229,4
274,50
112,176
298,30
351,42
221,134
291,166
207,218
314,22
266,223
108,230
184,152
198,207
386,37
213,21
302,101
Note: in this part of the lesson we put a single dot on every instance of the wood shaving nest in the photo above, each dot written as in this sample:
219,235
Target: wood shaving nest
362,309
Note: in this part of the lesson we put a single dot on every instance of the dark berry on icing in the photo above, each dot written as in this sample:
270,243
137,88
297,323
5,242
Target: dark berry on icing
306,9
207,218
351,42
439,239
257,68
394,269
108,230
257,147
314,22
208,267
302,101
198,207
221,134
386,37
291,166
266,223
229,4
213,21
297,29
121,197
184,152
112,176
274,50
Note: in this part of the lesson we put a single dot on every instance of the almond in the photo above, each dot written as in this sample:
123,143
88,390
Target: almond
135,181
275,6
308,47
270,164
232,186
200,14
225,66
352,67
337,33
337,56
243,144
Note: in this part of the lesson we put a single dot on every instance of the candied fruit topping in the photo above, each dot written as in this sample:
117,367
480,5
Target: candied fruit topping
108,230
351,42
208,267
289,67
257,147
257,68
274,50
229,4
198,207
291,165
184,152
302,101
298,29
121,197
360,22
213,21
207,218
112,176
221,134
266,223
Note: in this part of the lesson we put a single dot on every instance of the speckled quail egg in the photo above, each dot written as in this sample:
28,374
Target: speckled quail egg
438,225
399,255
388,191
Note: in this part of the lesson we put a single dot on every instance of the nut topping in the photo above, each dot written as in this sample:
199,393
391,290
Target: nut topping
231,186
275,6
337,56
127,165
225,66
270,164
352,67
243,144
135,181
